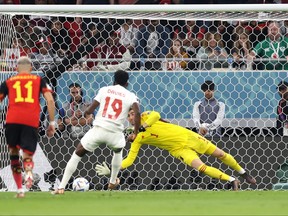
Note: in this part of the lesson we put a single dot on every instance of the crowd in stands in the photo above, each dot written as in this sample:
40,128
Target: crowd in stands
148,44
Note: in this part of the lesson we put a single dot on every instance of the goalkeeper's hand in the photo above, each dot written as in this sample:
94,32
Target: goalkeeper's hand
102,169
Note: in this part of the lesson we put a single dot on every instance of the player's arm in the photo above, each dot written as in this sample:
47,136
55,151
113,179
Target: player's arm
128,161
133,152
51,109
47,94
50,105
3,91
152,117
91,108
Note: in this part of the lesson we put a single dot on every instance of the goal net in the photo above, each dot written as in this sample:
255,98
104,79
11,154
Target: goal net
171,51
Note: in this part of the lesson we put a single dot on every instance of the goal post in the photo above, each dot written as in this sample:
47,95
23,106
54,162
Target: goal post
85,44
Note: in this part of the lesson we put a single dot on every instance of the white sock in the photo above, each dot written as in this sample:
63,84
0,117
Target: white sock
115,166
21,190
70,169
231,179
242,171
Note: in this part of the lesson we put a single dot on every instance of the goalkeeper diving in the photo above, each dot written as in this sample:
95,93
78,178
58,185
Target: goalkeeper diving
182,144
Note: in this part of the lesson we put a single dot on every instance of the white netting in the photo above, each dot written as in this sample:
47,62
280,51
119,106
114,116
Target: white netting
171,55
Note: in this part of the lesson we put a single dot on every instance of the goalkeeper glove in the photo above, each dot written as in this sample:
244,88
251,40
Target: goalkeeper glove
102,169
142,129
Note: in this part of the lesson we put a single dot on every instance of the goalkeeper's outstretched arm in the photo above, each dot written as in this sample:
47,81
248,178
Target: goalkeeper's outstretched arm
128,161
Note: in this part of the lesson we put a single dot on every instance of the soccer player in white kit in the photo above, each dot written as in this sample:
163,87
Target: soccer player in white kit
114,103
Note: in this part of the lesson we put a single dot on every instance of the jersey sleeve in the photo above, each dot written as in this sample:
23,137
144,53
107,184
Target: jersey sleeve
135,99
45,87
133,152
150,117
3,90
99,95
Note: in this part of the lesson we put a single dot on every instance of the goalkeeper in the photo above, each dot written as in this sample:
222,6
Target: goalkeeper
181,143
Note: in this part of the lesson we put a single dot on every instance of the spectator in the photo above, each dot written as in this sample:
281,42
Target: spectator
72,114
60,38
241,50
212,52
256,30
128,34
273,49
282,108
208,114
115,55
192,33
225,29
11,55
42,57
152,42
176,52
75,32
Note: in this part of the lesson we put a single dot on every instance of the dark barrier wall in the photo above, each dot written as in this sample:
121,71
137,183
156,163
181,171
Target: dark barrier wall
261,155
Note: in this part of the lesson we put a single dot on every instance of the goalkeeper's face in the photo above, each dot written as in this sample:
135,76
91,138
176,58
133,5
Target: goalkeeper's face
130,117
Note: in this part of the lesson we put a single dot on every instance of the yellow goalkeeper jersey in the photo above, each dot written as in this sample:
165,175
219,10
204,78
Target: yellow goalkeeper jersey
160,134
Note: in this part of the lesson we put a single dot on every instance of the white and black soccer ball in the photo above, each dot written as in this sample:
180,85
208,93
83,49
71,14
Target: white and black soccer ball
80,184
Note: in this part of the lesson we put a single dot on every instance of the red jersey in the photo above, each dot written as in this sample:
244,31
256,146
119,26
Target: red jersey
23,92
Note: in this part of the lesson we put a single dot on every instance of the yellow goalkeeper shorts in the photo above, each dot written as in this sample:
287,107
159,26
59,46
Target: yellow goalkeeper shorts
195,145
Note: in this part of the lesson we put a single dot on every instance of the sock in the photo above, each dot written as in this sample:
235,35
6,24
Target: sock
230,161
214,173
70,169
16,170
28,164
115,166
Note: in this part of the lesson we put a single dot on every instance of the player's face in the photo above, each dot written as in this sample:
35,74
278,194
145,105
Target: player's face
130,117
209,94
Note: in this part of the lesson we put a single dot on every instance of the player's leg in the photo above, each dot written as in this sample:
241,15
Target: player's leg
28,143
16,170
71,167
88,143
12,134
28,166
191,158
115,168
230,161
116,143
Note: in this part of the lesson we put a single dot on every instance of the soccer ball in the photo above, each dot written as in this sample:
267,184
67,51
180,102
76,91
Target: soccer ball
80,184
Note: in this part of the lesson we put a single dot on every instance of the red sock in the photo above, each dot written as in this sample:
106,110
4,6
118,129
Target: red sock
28,164
16,170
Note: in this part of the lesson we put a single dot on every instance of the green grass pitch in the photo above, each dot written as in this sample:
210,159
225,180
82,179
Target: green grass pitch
147,203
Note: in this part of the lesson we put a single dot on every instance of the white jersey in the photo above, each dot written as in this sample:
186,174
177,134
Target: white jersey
115,102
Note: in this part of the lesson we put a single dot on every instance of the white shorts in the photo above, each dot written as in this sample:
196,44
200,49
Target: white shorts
97,136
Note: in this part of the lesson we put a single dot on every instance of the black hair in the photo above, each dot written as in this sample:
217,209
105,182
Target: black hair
208,85
121,77
282,85
76,85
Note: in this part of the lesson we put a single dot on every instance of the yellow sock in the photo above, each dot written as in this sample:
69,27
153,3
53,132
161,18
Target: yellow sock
214,172
230,161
